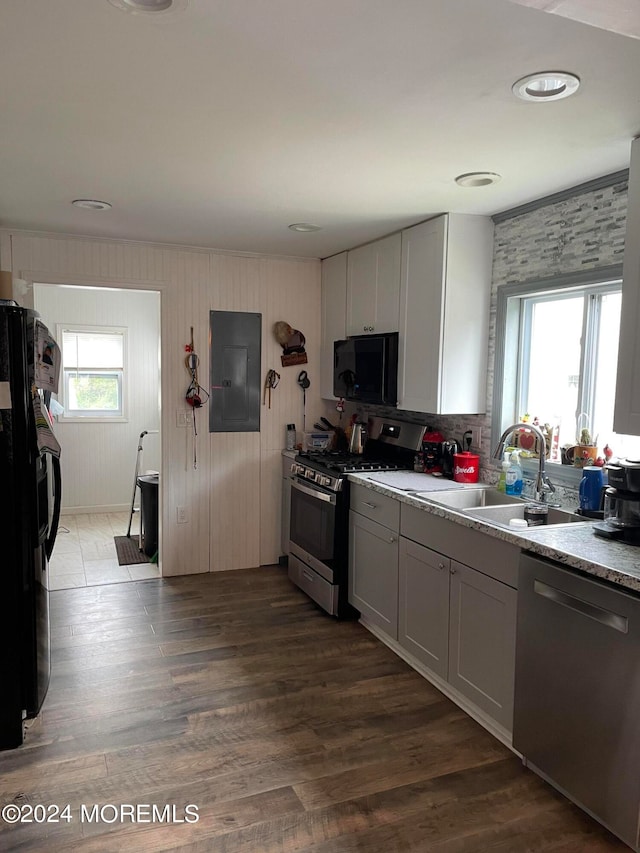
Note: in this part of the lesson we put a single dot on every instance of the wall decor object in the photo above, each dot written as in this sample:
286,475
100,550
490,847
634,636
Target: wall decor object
292,342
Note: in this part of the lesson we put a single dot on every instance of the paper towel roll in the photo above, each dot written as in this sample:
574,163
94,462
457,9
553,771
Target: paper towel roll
6,285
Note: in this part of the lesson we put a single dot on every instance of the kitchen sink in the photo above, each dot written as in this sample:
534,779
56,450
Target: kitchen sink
463,499
500,515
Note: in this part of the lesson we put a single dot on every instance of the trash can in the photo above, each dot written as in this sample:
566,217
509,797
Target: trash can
148,486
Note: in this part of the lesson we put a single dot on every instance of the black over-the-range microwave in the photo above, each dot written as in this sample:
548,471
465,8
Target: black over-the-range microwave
365,369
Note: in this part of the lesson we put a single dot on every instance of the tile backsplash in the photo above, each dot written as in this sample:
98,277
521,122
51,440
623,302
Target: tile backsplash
583,232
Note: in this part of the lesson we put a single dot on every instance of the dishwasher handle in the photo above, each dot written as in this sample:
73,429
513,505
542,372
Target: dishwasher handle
605,617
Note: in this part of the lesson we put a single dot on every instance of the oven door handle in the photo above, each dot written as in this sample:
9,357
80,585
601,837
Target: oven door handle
314,493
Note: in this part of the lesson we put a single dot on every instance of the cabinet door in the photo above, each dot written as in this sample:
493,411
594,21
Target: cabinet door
423,605
334,304
444,315
373,287
373,572
482,641
626,415
421,316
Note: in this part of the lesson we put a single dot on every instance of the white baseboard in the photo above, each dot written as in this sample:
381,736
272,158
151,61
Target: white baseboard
95,510
450,692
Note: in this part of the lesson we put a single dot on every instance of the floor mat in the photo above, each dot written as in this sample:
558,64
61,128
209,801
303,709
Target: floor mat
128,551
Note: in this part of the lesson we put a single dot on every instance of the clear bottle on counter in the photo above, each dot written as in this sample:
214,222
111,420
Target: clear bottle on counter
418,463
502,480
513,477
291,437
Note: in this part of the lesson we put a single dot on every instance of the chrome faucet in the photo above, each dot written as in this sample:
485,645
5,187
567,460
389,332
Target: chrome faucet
543,486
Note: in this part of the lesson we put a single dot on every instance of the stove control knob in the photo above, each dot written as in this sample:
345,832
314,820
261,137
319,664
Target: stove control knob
309,473
324,481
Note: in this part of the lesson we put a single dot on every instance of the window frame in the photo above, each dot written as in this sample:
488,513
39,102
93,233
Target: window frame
97,416
509,344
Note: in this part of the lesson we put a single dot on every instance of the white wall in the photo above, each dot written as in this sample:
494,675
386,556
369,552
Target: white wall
233,497
98,459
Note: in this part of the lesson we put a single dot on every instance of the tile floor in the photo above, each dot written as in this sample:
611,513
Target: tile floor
85,553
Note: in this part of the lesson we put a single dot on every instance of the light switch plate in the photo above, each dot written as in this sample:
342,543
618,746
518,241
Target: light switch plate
182,418
476,438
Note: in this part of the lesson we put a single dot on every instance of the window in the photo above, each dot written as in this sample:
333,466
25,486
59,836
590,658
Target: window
93,361
556,358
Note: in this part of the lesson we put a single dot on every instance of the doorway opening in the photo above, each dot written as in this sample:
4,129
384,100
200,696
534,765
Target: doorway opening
109,394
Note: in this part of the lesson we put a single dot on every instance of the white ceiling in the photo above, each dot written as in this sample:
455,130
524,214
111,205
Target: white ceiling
619,16
221,125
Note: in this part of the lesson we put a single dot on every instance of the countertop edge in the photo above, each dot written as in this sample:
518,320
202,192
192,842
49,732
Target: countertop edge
574,545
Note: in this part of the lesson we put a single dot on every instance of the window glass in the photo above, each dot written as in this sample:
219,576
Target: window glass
93,369
564,341
94,349
94,392
551,369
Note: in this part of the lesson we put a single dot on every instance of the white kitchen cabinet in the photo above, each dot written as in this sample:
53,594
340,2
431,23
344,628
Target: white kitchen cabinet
626,416
373,572
445,291
482,641
334,305
461,624
423,605
373,287
468,637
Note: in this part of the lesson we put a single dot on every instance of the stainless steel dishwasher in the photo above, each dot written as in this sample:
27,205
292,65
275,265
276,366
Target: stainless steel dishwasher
577,690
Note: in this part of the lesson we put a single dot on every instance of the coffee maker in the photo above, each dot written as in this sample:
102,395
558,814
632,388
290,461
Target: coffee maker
622,503
432,451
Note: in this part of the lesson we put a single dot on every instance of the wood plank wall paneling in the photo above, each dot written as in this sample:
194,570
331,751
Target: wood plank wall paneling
233,496
98,459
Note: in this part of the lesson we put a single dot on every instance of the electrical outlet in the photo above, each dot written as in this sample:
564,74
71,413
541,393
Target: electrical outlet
182,418
476,437
181,515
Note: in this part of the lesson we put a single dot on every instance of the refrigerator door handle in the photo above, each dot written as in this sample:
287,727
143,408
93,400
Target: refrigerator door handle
57,501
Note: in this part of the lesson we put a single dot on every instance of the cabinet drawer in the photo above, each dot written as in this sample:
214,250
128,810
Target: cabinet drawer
377,507
320,590
490,556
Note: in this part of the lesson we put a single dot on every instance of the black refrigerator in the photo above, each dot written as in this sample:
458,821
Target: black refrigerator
30,494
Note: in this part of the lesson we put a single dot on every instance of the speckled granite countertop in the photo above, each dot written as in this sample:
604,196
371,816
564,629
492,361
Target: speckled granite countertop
574,545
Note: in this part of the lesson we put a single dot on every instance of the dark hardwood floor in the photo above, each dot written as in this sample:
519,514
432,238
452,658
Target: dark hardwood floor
288,730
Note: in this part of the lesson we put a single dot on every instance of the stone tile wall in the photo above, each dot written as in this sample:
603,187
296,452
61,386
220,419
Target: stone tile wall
583,232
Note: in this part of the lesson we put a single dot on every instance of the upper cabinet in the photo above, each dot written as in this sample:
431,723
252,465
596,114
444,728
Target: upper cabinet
445,293
373,287
334,303
626,416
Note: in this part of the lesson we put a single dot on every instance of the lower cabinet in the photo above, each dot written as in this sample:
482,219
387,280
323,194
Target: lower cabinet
461,624
409,576
373,572
482,641
423,605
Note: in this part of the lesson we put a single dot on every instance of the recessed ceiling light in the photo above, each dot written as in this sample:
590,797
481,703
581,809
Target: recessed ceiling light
305,227
91,204
546,86
147,7
478,179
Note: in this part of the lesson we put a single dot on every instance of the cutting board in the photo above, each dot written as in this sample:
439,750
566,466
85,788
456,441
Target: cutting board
412,481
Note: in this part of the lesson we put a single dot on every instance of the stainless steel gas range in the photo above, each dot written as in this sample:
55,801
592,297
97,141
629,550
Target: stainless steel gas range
319,528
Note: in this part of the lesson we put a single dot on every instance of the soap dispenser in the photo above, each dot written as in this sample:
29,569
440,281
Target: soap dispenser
513,476
502,481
